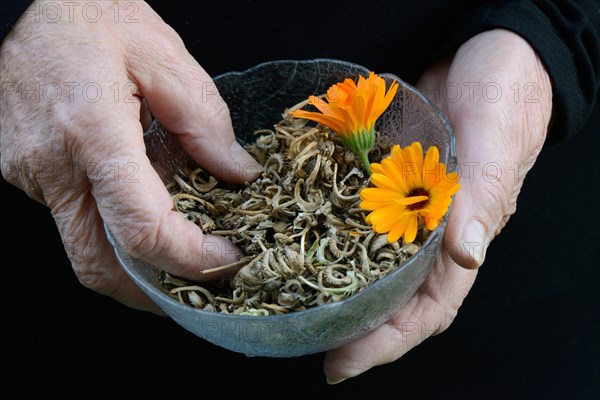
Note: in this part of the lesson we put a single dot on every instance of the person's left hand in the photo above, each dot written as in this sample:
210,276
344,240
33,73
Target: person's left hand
500,121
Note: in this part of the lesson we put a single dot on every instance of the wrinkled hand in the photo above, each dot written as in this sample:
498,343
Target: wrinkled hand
73,93
498,98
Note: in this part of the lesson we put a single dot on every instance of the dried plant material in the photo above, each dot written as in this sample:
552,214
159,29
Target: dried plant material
304,236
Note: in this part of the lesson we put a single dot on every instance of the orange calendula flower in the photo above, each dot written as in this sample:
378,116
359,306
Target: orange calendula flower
411,189
351,110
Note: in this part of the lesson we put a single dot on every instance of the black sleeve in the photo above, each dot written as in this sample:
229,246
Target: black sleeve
566,36
565,33
11,11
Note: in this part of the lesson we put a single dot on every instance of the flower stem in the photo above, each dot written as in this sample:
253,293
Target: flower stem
364,157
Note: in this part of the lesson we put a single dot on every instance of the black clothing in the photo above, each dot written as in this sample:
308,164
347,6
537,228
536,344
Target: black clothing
399,37
11,11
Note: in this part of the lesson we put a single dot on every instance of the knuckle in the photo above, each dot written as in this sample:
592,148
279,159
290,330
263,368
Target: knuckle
87,264
143,242
498,206
9,172
92,277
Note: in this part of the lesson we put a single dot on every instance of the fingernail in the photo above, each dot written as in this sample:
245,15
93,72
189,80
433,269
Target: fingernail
473,239
250,168
334,382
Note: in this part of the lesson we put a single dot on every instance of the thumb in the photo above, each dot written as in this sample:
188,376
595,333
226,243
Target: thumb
487,198
186,101
135,204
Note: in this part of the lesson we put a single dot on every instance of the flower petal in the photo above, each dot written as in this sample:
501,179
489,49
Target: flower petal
382,181
411,230
399,228
377,194
407,201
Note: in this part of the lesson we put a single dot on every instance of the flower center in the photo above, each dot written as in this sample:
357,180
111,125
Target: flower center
420,204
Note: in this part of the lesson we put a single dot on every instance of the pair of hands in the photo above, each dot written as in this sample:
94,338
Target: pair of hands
73,107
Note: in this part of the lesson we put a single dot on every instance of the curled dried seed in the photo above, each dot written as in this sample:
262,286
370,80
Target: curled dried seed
299,162
196,288
205,222
285,268
386,255
201,185
273,195
282,209
257,153
297,145
312,177
184,196
293,286
341,253
347,290
267,141
305,205
272,284
231,231
286,135
367,239
256,201
255,312
289,299
409,249
295,260
235,300
312,251
247,277
332,220
276,308
321,259
378,243
323,298
336,277
304,221
352,222
283,239
365,261
260,221
253,300
249,212
195,299
281,227
327,171
274,164
325,209
169,279
353,172
185,187
326,148
336,190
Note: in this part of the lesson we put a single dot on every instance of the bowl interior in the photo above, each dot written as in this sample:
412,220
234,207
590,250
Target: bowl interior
256,99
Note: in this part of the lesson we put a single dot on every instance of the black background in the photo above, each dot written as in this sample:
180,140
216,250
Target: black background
528,329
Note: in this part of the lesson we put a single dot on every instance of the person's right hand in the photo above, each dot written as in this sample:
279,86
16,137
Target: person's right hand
71,136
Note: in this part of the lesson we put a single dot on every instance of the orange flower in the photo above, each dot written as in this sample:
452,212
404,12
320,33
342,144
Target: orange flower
351,110
410,190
